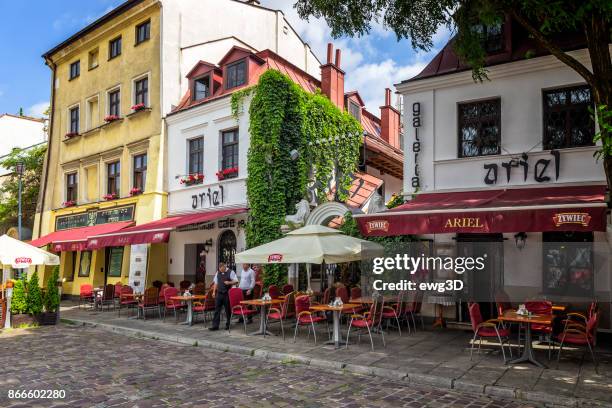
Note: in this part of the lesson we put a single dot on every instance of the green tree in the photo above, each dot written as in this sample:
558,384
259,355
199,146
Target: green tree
33,160
34,298
51,299
419,20
19,301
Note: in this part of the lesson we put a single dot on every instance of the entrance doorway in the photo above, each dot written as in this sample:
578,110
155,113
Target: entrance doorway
113,263
481,286
226,252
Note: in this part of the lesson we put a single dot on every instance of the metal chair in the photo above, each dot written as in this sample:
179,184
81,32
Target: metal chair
370,321
578,335
487,329
307,318
286,311
235,297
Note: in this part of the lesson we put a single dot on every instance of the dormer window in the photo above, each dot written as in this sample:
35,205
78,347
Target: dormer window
491,37
355,110
235,74
201,88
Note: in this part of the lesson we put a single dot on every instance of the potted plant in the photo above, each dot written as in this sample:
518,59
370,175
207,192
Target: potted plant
70,135
51,300
222,174
69,203
135,191
19,305
138,107
111,196
190,179
34,297
111,118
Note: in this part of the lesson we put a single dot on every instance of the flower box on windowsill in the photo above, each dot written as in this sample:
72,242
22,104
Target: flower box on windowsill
136,111
135,191
110,197
69,203
70,135
111,119
192,179
227,173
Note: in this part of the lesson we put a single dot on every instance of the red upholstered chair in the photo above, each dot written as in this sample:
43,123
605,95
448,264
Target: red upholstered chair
413,310
502,301
205,307
307,318
169,304
578,335
149,302
342,293
579,318
284,312
489,329
370,321
108,297
288,288
86,294
274,292
126,299
235,297
395,311
541,307
355,292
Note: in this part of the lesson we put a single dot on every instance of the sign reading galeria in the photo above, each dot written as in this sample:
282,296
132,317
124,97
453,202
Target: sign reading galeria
95,217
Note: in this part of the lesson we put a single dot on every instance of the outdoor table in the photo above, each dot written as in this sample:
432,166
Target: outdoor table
189,300
263,312
512,317
337,340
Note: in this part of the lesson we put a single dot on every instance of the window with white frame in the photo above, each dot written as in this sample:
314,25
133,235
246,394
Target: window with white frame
114,102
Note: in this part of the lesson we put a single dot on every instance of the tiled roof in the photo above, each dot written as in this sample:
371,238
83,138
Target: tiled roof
41,120
518,46
364,185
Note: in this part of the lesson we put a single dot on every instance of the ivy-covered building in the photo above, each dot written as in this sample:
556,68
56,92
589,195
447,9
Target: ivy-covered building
215,207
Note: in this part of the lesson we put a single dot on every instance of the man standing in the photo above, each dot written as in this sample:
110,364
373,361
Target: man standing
247,283
224,280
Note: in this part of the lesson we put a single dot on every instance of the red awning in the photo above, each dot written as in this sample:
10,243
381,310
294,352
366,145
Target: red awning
156,231
75,239
575,208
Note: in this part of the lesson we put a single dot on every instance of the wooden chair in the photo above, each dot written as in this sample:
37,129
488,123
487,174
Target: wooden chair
125,299
150,301
108,297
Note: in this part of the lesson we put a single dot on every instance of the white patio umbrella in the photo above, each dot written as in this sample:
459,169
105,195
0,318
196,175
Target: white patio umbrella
19,254
313,244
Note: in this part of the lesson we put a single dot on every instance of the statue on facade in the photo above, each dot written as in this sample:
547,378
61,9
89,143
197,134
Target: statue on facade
302,212
377,204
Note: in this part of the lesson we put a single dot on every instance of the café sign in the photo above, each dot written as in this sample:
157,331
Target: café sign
95,217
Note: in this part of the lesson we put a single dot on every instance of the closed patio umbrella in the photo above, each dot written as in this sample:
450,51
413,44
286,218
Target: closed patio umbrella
312,244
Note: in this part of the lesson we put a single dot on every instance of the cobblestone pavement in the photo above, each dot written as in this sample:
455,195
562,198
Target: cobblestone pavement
102,369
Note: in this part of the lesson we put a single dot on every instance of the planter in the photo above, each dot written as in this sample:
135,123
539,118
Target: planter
22,319
47,318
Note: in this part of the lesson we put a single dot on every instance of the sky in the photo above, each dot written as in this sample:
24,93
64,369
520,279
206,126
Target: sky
31,27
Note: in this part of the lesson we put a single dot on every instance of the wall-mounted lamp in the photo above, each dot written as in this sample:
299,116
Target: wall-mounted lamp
208,244
294,154
520,239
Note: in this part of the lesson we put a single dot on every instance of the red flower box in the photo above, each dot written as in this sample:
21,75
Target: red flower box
112,196
138,107
135,191
192,179
111,118
70,135
69,203
222,174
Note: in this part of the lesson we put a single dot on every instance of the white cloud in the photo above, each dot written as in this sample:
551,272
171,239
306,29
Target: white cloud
38,109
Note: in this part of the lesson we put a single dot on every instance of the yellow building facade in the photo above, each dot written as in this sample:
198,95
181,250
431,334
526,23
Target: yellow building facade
105,163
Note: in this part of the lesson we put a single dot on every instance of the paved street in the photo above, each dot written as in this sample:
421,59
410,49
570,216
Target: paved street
99,368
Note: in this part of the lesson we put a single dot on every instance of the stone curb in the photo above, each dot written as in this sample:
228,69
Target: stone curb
412,378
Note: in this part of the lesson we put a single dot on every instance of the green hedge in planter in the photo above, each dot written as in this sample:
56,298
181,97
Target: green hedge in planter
34,296
19,302
51,299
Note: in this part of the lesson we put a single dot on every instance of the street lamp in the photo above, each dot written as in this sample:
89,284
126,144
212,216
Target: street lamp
19,169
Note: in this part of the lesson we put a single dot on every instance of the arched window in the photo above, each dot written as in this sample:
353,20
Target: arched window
227,249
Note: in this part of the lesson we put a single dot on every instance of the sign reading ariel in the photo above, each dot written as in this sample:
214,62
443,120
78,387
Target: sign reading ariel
95,217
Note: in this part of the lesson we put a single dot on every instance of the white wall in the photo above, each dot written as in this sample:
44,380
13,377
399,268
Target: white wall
188,24
19,132
521,128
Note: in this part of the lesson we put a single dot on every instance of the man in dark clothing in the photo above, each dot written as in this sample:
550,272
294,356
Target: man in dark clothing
224,280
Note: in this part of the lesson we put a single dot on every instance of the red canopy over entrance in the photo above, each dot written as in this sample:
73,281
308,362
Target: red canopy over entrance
572,208
75,239
156,231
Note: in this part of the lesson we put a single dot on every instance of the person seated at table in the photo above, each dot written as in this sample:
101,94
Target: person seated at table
224,280
247,283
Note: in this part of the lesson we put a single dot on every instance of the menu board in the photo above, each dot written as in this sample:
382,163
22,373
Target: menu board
115,260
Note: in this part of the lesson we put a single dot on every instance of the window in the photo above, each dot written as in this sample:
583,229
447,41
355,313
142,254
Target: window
143,32
227,249
75,69
114,103
567,120
229,151
71,187
92,119
114,261
140,171
201,87
355,110
491,37
141,91
85,264
93,59
114,48
74,119
235,74
479,128
568,263
113,174
196,156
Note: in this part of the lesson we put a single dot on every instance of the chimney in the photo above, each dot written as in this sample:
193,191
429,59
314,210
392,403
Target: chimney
390,122
332,78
